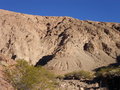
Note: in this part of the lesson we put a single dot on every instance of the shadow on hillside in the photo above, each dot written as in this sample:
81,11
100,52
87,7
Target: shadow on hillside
118,59
112,83
44,60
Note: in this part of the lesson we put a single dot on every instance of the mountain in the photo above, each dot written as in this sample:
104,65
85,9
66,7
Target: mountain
61,44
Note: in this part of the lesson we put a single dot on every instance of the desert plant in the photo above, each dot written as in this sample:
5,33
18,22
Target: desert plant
79,75
27,77
109,77
108,71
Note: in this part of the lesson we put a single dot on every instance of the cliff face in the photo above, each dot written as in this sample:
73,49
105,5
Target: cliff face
60,43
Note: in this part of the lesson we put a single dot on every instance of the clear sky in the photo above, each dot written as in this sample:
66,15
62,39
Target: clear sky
96,10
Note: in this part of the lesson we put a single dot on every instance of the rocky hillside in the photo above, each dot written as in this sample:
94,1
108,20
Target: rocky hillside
61,44
5,62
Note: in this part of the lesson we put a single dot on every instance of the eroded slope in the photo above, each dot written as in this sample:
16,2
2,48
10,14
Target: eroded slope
62,44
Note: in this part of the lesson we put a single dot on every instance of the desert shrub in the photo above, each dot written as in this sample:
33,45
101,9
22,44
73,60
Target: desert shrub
108,72
109,77
79,75
27,77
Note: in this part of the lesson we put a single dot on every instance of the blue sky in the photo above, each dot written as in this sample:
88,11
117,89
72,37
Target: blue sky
96,10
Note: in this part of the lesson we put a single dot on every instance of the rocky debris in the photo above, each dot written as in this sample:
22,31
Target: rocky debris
77,85
62,44
5,62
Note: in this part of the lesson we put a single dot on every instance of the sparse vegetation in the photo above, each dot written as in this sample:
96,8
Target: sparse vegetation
26,77
108,72
109,77
79,75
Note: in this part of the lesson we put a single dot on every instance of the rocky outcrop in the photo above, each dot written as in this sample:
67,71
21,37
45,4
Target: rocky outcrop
61,44
5,62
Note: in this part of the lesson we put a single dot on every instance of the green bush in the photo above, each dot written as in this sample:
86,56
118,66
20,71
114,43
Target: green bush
79,75
108,71
27,77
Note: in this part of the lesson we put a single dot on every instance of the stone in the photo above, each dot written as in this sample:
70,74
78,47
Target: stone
5,62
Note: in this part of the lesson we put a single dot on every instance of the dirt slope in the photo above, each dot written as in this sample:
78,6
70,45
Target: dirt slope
60,43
